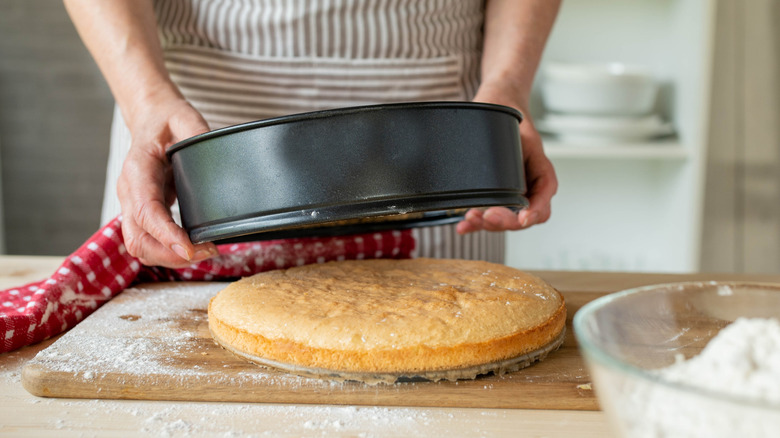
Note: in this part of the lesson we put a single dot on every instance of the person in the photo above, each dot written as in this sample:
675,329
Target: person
178,68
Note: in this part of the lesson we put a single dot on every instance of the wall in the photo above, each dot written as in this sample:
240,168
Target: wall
742,205
55,112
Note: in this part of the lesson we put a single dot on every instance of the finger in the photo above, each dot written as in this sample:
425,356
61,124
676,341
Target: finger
542,188
472,221
148,250
465,227
540,175
140,191
156,220
474,214
501,219
204,251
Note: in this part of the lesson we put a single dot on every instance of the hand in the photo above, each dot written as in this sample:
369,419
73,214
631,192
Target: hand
145,186
539,173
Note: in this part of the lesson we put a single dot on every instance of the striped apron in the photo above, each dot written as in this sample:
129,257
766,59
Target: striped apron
243,60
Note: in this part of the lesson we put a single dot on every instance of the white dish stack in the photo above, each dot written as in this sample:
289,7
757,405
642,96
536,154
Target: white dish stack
599,104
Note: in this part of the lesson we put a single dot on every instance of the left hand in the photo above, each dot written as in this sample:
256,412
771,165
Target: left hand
539,173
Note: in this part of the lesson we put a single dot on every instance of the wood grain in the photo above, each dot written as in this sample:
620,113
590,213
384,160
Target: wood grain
177,360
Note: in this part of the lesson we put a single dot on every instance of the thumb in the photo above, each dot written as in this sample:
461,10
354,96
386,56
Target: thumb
187,123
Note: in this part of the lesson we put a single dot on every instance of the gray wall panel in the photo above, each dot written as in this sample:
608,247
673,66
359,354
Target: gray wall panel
55,114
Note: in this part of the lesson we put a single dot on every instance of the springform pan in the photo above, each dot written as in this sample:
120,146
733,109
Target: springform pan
348,170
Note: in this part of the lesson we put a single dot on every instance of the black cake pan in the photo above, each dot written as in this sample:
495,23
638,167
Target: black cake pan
348,170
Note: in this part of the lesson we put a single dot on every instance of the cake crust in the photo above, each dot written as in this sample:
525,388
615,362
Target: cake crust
402,317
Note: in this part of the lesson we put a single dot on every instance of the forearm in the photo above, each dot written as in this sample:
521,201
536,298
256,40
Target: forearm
122,37
516,32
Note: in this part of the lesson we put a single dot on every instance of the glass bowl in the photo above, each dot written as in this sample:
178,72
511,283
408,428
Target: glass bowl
627,337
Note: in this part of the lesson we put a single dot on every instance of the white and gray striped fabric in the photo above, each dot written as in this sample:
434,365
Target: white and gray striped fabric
243,60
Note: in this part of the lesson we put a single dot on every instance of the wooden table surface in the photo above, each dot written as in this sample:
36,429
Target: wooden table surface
25,415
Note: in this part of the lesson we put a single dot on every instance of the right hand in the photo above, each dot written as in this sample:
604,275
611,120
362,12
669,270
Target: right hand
145,185
539,172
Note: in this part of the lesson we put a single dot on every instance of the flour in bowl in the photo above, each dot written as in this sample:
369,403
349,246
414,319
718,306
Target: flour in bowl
741,363
743,360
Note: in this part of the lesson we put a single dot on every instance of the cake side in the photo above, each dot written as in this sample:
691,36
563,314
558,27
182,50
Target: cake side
411,360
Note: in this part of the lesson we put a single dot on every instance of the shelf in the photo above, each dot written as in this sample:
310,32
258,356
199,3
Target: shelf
670,149
628,206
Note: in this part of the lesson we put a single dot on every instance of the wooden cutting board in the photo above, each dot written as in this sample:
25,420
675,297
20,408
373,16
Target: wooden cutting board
152,342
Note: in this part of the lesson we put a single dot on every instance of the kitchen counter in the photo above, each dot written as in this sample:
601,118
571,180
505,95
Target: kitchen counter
27,415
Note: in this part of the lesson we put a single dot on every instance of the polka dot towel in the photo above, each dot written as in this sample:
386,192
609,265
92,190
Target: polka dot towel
101,268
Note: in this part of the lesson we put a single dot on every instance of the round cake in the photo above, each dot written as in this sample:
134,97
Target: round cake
384,320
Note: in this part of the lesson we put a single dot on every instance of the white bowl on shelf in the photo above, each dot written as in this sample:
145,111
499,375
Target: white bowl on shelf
599,89
583,129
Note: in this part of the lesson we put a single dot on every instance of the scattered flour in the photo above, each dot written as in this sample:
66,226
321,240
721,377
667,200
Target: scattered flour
180,419
742,362
156,335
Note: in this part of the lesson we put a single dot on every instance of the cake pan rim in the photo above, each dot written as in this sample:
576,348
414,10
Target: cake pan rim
312,115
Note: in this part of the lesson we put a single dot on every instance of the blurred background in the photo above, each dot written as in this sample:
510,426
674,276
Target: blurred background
690,183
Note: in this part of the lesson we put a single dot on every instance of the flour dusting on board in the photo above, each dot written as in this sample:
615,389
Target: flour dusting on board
742,361
159,334
246,420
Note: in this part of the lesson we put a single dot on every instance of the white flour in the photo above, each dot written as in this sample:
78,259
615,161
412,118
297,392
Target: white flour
137,335
742,361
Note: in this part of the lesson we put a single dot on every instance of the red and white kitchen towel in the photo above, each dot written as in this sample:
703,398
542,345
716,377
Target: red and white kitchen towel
101,268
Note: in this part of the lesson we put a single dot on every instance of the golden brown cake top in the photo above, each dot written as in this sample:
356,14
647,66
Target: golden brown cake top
388,304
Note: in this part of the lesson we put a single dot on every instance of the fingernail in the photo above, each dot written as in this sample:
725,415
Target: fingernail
180,251
202,254
530,219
